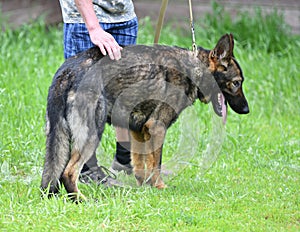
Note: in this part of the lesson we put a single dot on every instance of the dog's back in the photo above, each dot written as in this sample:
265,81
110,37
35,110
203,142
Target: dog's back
145,77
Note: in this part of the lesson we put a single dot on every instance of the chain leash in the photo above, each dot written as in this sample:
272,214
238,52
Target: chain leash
194,46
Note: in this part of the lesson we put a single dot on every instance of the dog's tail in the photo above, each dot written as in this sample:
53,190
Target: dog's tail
57,156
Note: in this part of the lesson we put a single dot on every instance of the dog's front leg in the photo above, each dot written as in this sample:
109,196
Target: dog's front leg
138,156
146,148
155,131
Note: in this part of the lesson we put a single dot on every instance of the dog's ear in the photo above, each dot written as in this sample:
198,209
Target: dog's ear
223,51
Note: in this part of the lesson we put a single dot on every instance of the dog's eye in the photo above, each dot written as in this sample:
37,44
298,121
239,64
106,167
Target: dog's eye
236,84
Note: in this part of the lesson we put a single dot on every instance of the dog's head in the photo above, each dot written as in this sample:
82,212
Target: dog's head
229,77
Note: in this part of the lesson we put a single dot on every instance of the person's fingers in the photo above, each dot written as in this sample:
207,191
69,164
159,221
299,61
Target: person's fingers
109,51
102,49
113,49
111,56
118,55
117,52
107,43
109,46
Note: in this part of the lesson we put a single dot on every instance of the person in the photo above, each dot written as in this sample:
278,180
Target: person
110,25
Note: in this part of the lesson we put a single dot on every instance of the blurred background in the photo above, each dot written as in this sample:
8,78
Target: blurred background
18,12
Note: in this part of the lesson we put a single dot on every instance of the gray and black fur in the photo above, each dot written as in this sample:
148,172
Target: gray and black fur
145,91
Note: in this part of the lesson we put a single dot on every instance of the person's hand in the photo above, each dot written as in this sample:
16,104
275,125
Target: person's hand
106,43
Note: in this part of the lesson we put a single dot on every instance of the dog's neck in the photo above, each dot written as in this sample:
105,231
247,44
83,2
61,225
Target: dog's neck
203,55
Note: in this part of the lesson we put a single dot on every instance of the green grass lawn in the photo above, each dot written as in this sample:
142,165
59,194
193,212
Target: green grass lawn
253,185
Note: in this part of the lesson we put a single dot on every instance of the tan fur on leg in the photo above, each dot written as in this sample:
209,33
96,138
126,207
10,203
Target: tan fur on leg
70,177
157,131
146,151
138,156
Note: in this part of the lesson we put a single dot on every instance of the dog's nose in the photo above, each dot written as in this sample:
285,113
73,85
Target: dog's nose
245,110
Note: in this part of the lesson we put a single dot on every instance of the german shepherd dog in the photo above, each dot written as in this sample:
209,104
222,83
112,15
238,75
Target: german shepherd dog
145,91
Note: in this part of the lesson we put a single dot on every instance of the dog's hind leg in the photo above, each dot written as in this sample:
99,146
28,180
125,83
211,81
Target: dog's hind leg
79,156
86,120
71,173
57,156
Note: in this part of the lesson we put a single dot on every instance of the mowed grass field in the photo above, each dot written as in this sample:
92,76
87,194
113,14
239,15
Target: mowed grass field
253,185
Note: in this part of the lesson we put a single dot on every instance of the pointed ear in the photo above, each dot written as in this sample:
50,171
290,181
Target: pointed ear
223,51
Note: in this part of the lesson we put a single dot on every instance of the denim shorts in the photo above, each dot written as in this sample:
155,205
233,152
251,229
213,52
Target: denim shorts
77,39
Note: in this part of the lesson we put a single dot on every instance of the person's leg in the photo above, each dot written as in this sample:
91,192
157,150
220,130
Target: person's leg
125,34
123,146
76,39
122,158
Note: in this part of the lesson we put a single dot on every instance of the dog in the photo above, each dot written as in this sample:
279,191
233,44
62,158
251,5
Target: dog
145,91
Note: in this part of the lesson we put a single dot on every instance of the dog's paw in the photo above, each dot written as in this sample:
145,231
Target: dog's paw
161,186
77,197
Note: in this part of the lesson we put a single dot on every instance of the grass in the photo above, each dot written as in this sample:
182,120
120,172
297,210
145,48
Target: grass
253,185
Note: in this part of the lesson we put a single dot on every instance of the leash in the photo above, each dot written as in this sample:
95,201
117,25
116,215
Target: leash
159,24
194,46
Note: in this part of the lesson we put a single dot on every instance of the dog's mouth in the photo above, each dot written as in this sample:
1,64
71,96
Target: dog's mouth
220,105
